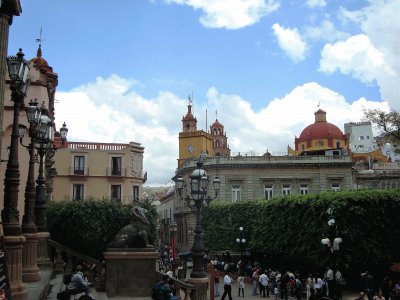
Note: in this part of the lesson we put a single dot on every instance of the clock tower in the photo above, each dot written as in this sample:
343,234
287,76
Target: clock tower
193,142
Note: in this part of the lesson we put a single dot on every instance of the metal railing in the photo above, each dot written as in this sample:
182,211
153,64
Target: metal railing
64,259
188,290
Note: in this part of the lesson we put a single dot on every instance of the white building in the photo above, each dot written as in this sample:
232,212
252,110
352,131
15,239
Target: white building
360,137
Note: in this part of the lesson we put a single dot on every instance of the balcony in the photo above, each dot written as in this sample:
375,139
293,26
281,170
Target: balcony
78,171
118,172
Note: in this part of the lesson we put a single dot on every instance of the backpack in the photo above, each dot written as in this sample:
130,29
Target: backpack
155,291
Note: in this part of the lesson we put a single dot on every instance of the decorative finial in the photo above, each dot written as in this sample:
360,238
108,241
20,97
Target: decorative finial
39,41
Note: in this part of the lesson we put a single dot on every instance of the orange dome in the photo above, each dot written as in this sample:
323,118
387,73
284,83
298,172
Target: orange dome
320,130
320,136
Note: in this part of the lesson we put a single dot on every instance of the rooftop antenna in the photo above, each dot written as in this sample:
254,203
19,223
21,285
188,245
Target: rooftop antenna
40,40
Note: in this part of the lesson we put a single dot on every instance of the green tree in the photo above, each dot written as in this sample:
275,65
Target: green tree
90,226
388,122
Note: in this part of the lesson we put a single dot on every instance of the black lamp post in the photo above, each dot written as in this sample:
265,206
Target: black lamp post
241,241
41,140
173,228
197,200
18,70
333,240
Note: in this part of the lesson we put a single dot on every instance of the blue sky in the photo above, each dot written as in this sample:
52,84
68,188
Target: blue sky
264,65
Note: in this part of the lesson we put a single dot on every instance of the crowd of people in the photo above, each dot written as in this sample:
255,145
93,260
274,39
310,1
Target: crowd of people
327,284
268,282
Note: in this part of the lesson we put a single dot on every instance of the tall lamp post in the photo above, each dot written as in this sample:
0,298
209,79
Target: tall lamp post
41,140
18,70
38,131
333,240
241,241
173,228
197,199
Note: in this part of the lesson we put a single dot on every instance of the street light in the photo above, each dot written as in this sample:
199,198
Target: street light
333,240
173,228
41,140
241,241
18,70
197,199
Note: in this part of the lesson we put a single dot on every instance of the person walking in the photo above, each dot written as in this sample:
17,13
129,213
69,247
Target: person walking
216,283
240,281
264,284
227,286
254,281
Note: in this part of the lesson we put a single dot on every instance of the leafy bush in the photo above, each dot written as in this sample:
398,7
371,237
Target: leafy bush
89,226
288,230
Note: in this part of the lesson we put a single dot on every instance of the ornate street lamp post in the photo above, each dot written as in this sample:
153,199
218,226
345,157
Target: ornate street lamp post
333,240
173,228
18,70
241,241
41,140
197,199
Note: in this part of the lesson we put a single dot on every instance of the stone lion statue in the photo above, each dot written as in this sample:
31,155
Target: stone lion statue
135,234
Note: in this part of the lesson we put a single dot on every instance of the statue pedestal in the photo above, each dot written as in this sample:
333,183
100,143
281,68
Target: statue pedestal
130,272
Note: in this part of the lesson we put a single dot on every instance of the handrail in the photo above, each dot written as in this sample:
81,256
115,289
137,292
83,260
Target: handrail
75,253
188,289
66,266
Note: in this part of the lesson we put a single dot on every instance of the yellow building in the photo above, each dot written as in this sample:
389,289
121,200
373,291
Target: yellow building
193,142
99,170
319,137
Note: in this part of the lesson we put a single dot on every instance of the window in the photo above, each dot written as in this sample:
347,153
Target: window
335,187
303,189
235,193
79,165
116,166
286,189
361,138
135,193
268,191
116,192
338,145
77,192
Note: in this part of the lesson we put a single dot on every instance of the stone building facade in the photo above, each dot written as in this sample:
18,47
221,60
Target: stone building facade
99,170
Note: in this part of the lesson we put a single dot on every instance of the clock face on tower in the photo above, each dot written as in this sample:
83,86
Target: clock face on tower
190,148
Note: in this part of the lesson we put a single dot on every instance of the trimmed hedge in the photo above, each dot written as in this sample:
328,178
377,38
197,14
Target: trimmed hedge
288,230
89,226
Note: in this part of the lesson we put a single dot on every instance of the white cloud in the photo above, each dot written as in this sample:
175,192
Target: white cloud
108,110
291,42
315,3
325,31
230,14
275,126
383,29
358,57
379,22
